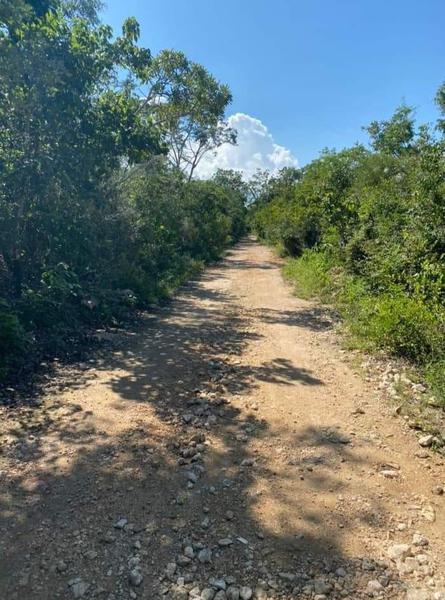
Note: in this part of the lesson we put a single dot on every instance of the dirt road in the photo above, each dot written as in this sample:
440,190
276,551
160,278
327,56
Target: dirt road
222,449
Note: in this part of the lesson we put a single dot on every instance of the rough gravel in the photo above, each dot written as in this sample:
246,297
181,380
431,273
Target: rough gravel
222,449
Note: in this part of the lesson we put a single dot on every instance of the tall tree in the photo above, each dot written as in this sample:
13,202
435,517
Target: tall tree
65,122
189,106
395,135
440,101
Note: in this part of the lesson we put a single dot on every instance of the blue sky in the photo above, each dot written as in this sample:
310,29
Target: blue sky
305,74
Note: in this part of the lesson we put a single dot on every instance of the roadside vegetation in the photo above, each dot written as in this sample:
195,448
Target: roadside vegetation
100,212
99,140
364,229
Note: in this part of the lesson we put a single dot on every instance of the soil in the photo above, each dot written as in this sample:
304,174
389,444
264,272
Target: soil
224,447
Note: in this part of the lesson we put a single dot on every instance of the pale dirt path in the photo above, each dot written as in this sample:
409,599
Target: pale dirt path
260,373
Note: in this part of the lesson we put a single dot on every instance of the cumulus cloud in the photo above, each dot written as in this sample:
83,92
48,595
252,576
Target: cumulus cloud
255,149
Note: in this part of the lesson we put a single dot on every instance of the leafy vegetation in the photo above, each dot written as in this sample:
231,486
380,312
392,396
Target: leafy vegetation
98,144
365,228
100,214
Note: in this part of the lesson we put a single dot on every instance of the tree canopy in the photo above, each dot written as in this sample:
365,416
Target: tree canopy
98,144
188,105
367,229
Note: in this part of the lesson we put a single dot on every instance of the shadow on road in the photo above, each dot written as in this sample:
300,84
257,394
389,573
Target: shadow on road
181,365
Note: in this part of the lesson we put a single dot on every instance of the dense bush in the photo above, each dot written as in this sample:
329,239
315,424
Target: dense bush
176,225
311,273
12,337
98,211
366,229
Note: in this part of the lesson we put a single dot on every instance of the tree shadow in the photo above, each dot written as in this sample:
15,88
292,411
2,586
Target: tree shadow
234,262
186,473
313,318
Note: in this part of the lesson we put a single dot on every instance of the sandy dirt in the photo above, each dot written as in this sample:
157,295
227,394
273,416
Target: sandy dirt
223,448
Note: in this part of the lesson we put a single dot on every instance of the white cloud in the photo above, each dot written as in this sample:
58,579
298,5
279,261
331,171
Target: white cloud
255,149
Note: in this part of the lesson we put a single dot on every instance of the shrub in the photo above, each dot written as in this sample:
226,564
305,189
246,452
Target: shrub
376,217
435,377
12,338
310,274
397,323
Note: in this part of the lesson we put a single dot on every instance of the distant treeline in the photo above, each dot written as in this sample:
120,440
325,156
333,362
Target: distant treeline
366,228
98,144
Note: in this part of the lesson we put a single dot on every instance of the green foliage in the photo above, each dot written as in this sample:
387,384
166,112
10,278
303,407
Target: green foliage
310,275
399,324
176,226
440,100
188,104
93,221
435,377
54,301
12,338
393,136
368,230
